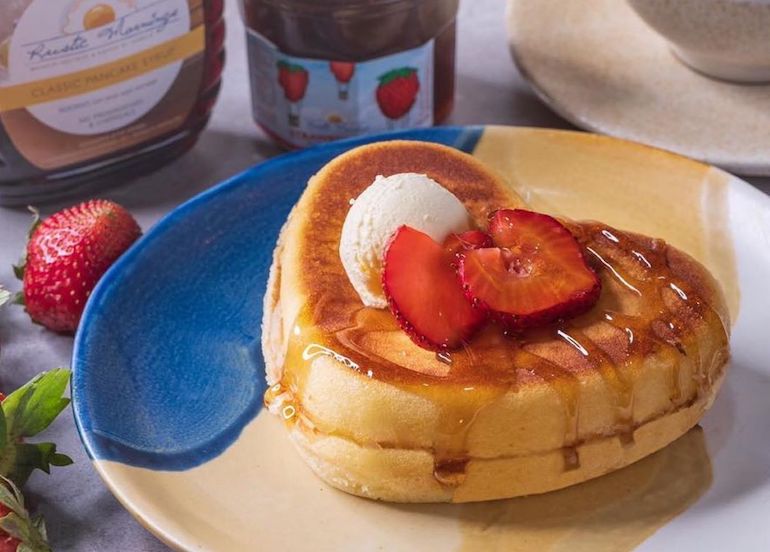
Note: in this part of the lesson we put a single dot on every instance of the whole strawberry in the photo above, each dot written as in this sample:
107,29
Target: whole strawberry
397,92
67,254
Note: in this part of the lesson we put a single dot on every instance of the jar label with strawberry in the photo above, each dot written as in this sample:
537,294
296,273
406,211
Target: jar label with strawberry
304,101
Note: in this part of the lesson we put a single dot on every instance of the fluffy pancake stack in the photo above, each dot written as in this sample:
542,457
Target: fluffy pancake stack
375,415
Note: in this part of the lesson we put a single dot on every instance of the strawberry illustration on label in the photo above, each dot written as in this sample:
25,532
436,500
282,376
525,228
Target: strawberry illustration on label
343,72
397,92
293,79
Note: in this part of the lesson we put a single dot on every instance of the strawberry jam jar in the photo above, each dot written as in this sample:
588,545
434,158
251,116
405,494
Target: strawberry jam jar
326,70
94,92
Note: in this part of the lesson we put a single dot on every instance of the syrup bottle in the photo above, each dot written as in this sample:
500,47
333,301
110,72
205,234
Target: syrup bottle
95,91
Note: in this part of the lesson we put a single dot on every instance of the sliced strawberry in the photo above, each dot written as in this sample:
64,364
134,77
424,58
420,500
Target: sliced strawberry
535,275
424,294
472,239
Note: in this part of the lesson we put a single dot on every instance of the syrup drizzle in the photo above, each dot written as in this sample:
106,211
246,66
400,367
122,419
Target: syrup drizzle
657,323
622,388
567,385
656,309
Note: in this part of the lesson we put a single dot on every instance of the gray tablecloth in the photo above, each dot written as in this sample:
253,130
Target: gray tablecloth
81,513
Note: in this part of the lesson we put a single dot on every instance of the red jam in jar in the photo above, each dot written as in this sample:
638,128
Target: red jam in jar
322,70
95,91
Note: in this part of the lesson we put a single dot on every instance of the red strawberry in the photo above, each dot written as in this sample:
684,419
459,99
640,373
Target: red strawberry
535,275
293,79
472,239
66,256
342,70
397,92
424,294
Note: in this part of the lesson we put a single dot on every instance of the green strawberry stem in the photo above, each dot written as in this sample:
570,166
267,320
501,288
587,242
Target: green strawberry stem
17,522
18,269
291,67
25,413
400,73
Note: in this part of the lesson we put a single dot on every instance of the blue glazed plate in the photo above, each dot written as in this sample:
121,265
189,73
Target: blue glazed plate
169,376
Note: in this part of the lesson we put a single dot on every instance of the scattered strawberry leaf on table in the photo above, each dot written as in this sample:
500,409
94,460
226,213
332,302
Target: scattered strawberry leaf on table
5,296
23,533
25,413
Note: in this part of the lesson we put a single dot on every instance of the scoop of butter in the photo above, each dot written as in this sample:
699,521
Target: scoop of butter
401,199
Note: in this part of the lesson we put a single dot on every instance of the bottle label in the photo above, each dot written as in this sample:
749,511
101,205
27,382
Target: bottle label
303,101
80,79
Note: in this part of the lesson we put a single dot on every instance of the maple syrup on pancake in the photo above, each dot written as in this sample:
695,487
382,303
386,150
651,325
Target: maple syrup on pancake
662,307
450,473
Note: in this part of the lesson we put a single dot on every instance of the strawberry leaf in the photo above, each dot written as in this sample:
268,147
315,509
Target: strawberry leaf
18,524
35,220
400,73
32,407
10,496
290,67
18,269
3,431
39,523
24,413
31,456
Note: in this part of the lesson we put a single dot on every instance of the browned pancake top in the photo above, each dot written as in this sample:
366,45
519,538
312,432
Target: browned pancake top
654,299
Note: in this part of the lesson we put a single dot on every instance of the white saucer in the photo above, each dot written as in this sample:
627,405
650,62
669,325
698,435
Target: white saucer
597,64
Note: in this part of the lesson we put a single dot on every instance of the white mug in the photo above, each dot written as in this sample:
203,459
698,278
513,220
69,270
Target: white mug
726,39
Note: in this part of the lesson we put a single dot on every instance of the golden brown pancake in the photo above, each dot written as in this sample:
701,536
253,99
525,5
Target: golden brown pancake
377,416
